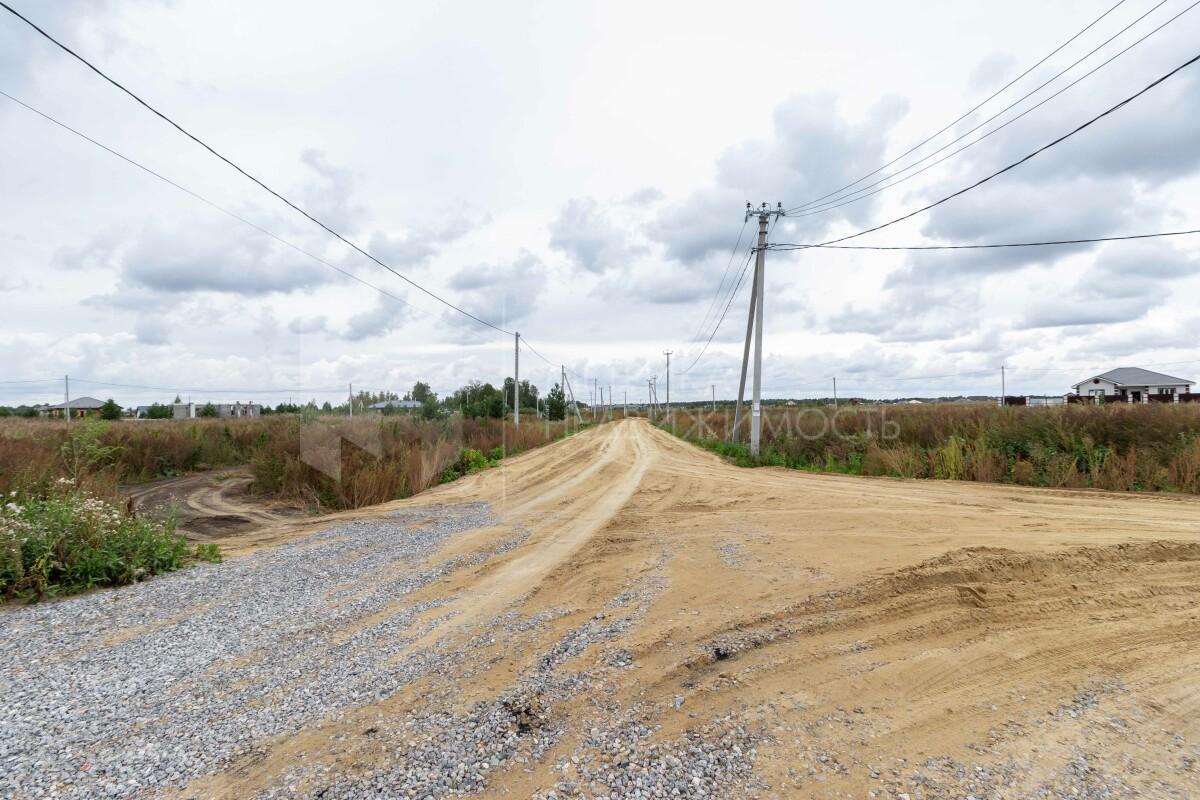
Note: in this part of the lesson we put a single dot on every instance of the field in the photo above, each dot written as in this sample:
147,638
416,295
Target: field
1119,447
375,459
621,614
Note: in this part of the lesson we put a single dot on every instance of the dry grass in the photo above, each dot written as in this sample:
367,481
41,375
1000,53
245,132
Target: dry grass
412,454
1154,447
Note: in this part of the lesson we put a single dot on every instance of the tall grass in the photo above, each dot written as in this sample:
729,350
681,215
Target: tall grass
1153,447
381,459
395,456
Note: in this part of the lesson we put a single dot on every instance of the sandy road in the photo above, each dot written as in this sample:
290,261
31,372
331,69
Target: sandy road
880,635
631,598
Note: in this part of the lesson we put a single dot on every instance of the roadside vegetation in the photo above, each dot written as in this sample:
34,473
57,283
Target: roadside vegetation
378,457
65,528
66,540
1118,447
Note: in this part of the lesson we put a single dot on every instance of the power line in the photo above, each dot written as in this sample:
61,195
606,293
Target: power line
982,246
205,200
227,212
1022,160
732,294
863,193
965,114
714,303
251,177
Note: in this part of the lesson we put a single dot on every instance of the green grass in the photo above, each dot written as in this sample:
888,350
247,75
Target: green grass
66,540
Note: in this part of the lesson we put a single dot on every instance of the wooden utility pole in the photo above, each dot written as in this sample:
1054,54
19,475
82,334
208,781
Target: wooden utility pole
517,379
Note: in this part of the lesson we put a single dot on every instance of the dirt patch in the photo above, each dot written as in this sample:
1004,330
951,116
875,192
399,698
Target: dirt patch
212,505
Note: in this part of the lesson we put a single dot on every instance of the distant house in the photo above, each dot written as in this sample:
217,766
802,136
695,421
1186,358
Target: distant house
394,405
224,410
1133,385
80,407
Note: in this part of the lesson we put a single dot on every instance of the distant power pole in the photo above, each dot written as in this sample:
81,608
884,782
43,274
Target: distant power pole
517,379
625,405
352,401
835,391
610,402
764,214
1003,388
714,388
670,416
67,396
594,382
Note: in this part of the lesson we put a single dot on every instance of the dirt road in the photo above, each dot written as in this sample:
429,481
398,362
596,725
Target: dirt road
635,617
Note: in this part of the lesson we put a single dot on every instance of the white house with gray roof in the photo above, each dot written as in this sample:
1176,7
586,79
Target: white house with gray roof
1133,385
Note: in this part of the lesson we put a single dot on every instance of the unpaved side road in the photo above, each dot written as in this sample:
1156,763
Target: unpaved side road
622,615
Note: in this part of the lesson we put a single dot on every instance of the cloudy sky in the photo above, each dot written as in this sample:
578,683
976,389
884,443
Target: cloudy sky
578,172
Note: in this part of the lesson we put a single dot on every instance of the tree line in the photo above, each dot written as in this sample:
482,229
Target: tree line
475,399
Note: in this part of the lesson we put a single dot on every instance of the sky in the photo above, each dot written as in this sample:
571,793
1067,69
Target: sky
578,172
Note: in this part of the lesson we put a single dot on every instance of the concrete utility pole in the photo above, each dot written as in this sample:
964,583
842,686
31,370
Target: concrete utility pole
670,416
714,388
517,379
1003,389
594,382
67,396
625,405
610,402
574,403
757,298
352,401
835,391
737,408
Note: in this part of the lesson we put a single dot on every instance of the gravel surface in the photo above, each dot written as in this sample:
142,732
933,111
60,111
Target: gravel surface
155,684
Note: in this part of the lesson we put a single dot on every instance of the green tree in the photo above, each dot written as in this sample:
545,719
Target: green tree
110,410
556,403
208,410
159,411
421,392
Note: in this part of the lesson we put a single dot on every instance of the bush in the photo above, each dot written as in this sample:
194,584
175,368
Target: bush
69,541
110,410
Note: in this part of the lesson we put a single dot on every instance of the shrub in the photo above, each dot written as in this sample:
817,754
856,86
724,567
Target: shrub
110,410
68,540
